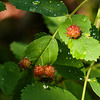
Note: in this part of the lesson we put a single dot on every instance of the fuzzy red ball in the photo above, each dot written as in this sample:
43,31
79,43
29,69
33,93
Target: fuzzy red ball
73,31
38,71
25,63
49,71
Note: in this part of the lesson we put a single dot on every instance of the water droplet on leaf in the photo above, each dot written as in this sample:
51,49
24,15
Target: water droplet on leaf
58,4
32,9
60,50
70,58
25,2
55,15
85,19
36,2
2,79
80,78
68,53
69,70
45,86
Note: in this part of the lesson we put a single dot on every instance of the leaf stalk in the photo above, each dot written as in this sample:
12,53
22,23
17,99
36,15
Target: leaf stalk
78,8
86,80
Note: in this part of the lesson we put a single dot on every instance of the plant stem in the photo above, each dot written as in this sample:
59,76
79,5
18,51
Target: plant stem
63,84
78,8
55,34
86,80
94,67
97,19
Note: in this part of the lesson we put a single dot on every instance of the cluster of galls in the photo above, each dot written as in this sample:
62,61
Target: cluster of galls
73,31
39,71
44,71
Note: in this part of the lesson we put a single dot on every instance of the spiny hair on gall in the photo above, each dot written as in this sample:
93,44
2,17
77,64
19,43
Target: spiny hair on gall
44,71
73,31
25,63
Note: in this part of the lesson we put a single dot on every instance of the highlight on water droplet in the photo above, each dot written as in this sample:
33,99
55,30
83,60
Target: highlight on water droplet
80,78
45,86
69,70
58,4
25,3
55,14
36,2
60,50
2,79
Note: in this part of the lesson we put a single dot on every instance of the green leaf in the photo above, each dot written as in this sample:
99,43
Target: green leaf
26,77
68,60
18,49
2,6
53,22
9,74
42,51
79,20
39,35
85,48
48,8
95,84
95,72
40,91
76,89
69,72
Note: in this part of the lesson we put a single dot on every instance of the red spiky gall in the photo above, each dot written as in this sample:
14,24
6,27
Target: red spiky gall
73,31
25,63
38,71
49,71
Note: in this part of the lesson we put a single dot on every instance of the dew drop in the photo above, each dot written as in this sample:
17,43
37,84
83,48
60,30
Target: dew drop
58,4
33,84
80,78
93,34
68,53
2,79
45,86
69,70
25,3
85,19
70,58
55,15
50,10
84,53
32,9
60,50
36,2
61,1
